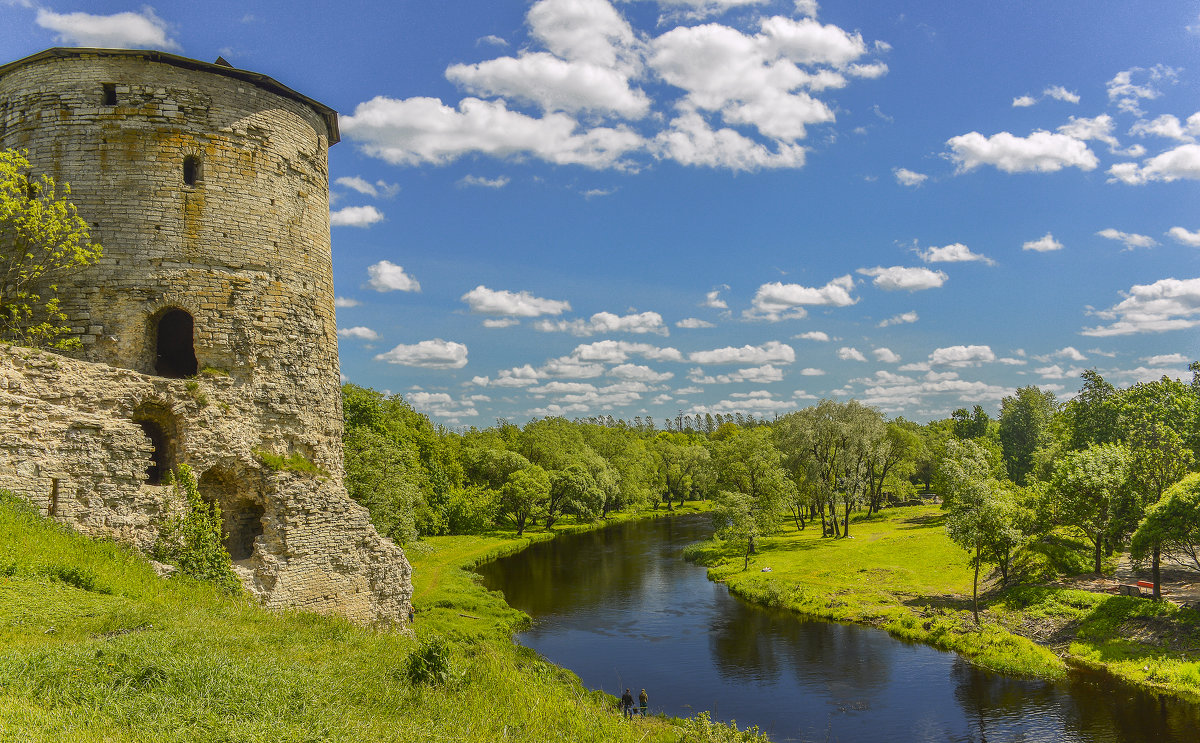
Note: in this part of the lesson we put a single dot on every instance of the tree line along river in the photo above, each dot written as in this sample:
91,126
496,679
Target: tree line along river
622,609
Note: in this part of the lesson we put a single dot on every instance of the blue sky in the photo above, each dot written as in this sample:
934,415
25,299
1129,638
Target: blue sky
582,207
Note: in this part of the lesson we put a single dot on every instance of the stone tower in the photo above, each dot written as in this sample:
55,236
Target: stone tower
208,327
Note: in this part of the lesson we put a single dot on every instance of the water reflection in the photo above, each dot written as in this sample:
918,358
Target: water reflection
621,609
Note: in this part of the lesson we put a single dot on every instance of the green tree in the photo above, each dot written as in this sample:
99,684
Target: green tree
378,477
524,494
1089,485
1024,428
193,541
1172,525
42,241
573,491
972,425
752,488
983,521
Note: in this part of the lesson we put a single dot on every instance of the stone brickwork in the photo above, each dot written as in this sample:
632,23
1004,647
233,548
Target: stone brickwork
208,188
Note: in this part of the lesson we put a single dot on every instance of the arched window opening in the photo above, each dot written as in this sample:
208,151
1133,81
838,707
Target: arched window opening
191,170
241,518
160,458
175,352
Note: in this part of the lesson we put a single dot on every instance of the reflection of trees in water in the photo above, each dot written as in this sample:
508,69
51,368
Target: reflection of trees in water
751,643
1087,707
591,570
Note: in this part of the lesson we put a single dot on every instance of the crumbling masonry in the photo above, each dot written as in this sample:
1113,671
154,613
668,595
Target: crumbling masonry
208,326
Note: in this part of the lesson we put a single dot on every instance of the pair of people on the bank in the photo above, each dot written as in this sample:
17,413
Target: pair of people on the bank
627,708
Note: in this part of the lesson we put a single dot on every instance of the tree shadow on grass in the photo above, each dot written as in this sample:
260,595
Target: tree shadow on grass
923,522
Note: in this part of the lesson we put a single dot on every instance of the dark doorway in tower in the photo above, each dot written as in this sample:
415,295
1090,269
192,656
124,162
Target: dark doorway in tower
175,354
160,455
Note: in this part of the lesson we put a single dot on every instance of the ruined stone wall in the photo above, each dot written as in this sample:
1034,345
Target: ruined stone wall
245,249
70,444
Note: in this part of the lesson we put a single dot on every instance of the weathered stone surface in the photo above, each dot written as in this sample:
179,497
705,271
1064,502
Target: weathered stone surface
208,188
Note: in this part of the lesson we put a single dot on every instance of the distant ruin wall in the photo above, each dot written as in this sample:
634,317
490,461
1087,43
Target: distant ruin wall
73,442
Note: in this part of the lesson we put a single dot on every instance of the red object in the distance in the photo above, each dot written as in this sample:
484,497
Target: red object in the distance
1145,584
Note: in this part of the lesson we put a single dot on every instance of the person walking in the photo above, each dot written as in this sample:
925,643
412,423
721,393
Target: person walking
627,704
643,702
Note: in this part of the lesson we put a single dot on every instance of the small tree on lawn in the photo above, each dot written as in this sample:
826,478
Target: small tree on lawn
193,540
1172,525
42,240
983,521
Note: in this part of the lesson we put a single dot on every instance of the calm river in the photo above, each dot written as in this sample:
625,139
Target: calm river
621,608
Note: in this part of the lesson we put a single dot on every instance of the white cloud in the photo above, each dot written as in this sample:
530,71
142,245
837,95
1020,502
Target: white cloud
617,352
1131,240
366,188
431,354
477,180
953,253
1169,127
585,31
1060,93
958,356
811,372
886,355
1167,359
759,402
1184,237
127,30
607,322
1024,101
355,216
485,301
1043,244
901,319
815,335
553,84
345,302
906,177
776,301
500,322
424,130
771,352
1167,304
897,278
1041,151
441,405
639,373
694,322
358,331
386,276
521,376
758,375
1127,95
691,141
713,299
848,353
1183,162
571,368
1099,129
1069,352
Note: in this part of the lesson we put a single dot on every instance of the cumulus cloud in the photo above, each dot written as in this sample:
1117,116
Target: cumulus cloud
1182,236
345,302
1099,129
386,276
1024,101
441,405
500,322
360,332
901,319
355,216
1042,152
1167,304
1181,163
811,372
1131,240
815,335
771,352
776,301
759,401
128,30
363,186
639,373
1169,127
757,375
500,302
607,322
1060,93
713,298
953,253
431,354
958,356
617,352
521,376
694,322
480,181
895,278
1127,95
1167,359
690,140
886,355
849,353
906,177
1043,244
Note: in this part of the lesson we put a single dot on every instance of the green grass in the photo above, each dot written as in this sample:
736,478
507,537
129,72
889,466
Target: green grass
139,658
901,572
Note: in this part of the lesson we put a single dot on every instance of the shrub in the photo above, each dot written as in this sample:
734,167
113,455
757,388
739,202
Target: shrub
193,541
78,577
429,664
700,729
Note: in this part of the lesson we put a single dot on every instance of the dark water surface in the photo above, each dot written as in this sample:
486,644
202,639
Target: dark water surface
621,608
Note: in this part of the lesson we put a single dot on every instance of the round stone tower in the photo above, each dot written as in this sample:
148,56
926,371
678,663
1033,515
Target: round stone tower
208,187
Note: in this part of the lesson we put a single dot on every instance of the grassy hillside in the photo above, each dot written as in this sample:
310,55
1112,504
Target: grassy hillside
901,572
95,647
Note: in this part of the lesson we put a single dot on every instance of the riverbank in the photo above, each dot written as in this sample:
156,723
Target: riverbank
900,572
95,647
